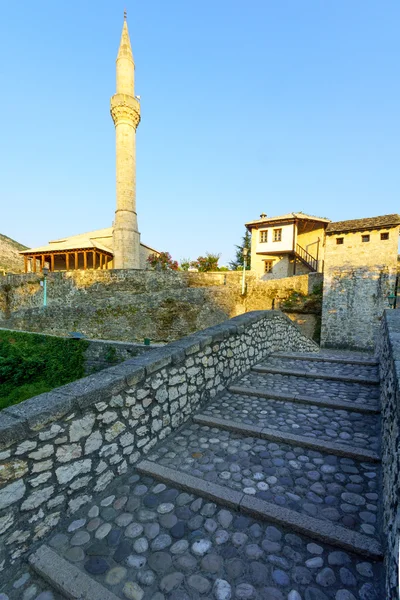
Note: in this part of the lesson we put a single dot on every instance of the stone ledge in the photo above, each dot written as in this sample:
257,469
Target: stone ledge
303,399
324,531
342,361
314,528
207,489
317,375
41,410
285,438
66,578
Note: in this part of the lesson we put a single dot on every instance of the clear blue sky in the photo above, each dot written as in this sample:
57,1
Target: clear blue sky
265,105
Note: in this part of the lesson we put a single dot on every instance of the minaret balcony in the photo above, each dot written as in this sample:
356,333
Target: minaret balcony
125,109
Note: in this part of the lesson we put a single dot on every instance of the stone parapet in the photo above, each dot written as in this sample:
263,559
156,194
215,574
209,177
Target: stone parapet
388,350
60,448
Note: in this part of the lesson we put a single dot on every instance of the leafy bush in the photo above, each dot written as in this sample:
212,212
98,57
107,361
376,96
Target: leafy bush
206,263
163,261
32,364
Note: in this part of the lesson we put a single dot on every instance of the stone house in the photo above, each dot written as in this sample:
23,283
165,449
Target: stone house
360,273
287,245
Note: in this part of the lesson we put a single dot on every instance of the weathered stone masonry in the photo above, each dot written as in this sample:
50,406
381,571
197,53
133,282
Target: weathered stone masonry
59,448
129,305
388,348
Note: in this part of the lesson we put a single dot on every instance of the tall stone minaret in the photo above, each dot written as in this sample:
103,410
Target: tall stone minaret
125,111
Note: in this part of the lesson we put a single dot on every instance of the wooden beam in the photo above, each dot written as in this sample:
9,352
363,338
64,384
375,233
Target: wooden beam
76,261
67,261
42,262
34,264
52,261
94,259
84,260
26,263
101,260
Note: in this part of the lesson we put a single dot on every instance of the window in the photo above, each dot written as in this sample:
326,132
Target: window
385,236
277,235
264,236
339,240
268,264
365,238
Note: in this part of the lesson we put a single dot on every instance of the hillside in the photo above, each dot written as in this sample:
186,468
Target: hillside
10,260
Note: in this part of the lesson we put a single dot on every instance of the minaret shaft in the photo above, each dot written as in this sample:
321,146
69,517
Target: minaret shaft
125,111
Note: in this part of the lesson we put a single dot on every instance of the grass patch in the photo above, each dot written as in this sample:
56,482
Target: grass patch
33,364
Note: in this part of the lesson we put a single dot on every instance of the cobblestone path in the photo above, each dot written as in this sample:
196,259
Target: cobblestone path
256,498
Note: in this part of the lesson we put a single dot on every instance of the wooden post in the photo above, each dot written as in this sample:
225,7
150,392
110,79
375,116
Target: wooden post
84,260
42,263
52,262
67,261
34,264
26,263
76,261
94,259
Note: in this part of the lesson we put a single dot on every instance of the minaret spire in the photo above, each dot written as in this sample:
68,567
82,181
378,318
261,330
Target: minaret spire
125,111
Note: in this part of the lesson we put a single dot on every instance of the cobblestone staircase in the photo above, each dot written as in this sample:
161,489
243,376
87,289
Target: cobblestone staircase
271,492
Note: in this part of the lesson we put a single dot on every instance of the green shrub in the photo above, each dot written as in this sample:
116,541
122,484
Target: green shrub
32,364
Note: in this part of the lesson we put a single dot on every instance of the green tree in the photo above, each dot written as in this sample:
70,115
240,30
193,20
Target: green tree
185,264
238,262
162,262
206,263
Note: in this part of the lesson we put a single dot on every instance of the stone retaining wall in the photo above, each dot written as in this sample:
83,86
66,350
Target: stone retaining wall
129,305
101,354
354,299
388,349
59,449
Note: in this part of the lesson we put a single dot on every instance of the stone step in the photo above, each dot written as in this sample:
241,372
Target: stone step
314,375
356,393
313,483
288,438
326,357
153,541
304,399
317,529
67,578
328,367
350,428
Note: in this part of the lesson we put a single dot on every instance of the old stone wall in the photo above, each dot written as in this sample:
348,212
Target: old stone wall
60,448
353,303
388,349
101,354
131,305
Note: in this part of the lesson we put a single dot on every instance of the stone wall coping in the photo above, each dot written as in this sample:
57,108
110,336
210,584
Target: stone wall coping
16,421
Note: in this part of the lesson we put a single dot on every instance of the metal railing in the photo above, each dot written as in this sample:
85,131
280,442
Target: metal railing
307,258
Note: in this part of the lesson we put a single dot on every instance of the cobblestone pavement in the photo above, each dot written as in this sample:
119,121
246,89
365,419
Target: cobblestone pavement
334,390
350,428
26,585
150,541
329,368
144,540
325,486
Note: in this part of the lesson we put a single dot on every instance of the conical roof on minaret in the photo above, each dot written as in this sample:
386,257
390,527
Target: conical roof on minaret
125,48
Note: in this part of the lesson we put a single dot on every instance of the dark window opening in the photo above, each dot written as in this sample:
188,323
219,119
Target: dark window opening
365,238
385,236
339,240
268,264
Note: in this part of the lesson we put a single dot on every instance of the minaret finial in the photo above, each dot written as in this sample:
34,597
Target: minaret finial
125,15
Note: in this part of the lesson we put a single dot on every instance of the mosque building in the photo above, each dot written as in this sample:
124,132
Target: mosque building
119,246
